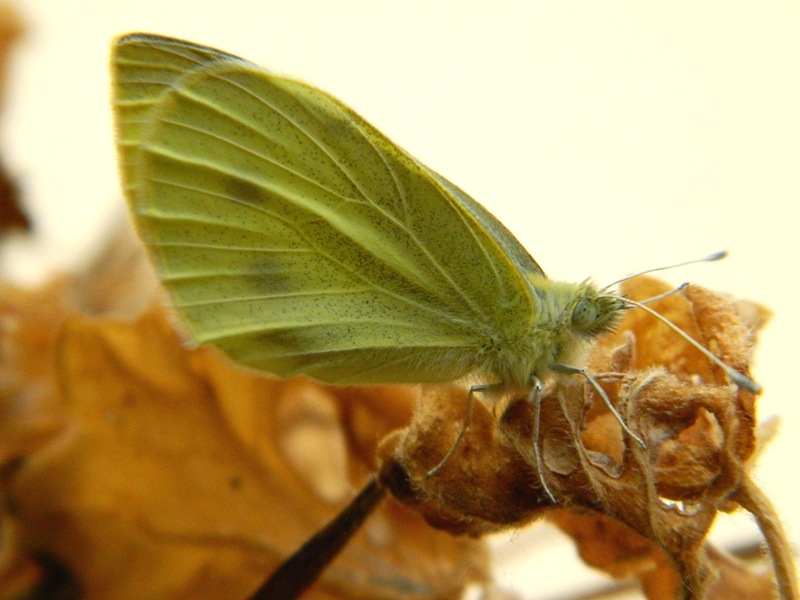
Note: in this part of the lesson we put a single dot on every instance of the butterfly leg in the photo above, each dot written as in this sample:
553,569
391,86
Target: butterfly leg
467,419
602,393
535,398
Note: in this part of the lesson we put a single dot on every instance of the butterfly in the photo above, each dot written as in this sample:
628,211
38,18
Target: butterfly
297,239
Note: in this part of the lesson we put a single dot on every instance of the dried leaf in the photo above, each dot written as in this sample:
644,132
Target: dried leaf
11,214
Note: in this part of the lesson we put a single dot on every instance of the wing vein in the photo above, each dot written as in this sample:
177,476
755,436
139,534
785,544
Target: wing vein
402,225
216,167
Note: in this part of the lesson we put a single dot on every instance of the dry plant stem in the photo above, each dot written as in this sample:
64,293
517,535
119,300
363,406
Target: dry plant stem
753,500
302,569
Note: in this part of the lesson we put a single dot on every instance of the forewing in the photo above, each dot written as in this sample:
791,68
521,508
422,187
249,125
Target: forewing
144,67
294,236
508,243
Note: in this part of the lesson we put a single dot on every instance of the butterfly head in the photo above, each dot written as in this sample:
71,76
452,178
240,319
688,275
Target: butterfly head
594,312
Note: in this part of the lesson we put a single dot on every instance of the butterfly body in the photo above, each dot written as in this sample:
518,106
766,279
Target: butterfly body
297,239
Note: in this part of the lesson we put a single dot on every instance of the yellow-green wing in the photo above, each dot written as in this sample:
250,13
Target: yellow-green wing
298,239
144,67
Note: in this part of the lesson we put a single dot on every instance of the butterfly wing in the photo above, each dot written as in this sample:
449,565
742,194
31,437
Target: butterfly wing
298,239
144,67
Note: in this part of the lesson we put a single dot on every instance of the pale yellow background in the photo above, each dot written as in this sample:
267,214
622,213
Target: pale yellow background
609,136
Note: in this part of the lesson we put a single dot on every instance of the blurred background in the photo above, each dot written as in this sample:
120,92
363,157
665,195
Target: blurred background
609,137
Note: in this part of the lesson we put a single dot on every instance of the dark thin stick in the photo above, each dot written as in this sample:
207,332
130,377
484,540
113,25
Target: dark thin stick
300,570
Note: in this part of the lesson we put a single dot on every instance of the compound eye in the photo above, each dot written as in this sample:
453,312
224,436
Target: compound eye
584,315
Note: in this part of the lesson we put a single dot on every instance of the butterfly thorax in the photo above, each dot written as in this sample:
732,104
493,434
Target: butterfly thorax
566,316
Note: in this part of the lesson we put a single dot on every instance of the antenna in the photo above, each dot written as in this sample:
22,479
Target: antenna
741,380
674,290
710,258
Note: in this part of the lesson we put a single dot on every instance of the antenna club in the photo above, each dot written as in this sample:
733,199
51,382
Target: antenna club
710,258
744,382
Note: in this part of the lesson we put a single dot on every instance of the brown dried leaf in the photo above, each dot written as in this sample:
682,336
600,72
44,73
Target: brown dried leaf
11,214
